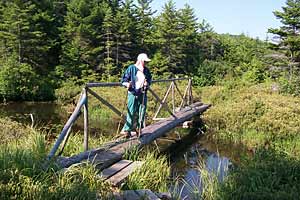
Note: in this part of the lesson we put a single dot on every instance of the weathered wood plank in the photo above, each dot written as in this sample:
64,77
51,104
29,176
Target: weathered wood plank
136,195
130,195
124,173
150,133
147,194
115,168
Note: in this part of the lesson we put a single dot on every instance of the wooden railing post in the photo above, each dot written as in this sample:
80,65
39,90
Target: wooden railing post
67,126
173,96
86,122
184,96
191,91
163,101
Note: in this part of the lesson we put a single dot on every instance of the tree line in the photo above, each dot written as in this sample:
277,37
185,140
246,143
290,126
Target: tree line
47,43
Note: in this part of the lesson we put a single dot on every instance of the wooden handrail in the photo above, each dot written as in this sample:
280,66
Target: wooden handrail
72,119
83,103
115,84
119,113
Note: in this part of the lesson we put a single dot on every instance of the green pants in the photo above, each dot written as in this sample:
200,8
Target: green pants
136,110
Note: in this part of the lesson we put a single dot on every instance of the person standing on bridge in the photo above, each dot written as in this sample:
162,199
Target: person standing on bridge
137,79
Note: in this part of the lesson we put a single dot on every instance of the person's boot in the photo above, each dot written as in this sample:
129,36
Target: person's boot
126,134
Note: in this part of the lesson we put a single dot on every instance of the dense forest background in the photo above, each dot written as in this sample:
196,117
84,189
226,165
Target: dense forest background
50,44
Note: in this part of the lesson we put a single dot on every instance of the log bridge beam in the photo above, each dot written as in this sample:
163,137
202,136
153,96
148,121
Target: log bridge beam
111,153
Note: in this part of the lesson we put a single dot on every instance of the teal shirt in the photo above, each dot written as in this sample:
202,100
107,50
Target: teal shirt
130,75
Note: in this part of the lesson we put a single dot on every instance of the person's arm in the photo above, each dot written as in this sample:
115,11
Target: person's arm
126,79
148,77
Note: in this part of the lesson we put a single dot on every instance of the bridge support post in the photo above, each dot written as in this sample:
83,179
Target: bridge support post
86,122
173,95
190,97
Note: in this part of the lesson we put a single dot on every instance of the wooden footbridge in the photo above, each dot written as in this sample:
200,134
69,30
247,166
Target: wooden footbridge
108,157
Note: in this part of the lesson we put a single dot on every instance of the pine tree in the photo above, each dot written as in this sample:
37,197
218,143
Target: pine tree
16,34
289,33
188,28
81,39
168,38
144,17
110,44
29,32
126,35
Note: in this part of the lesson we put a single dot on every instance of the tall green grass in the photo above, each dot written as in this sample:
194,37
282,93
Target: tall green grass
75,143
268,175
255,116
267,123
24,173
203,187
153,174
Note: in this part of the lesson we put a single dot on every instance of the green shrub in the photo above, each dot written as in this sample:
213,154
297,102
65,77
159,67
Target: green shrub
68,92
290,85
209,72
20,82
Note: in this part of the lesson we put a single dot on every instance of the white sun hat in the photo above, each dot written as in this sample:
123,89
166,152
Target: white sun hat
143,57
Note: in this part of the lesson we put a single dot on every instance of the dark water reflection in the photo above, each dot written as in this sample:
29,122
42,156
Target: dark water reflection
192,151
43,113
51,117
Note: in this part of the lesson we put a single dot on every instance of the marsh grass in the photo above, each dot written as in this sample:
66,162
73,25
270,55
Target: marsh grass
268,175
267,123
75,143
204,186
255,116
153,174
24,174
133,154
10,131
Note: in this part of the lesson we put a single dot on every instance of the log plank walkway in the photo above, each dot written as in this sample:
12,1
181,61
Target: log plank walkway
111,153
108,158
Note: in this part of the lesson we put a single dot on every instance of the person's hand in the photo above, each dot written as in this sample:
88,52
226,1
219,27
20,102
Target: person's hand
128,85
145,83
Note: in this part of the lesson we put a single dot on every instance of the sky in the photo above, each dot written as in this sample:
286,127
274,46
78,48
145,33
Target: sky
251,17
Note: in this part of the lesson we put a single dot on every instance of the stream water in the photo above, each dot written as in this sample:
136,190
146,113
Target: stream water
186,152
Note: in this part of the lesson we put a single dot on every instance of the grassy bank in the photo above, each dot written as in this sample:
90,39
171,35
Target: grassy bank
267,124
24,175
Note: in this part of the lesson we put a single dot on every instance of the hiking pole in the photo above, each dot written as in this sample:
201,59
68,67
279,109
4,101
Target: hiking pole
122,114
141,111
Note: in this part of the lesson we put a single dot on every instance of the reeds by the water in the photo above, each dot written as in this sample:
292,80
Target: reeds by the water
25,175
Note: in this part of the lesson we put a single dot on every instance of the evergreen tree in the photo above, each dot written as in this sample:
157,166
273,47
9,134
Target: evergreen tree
289,33
167,39
188,28
81,39
127,44
28,30
16,32
110,44
144,17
